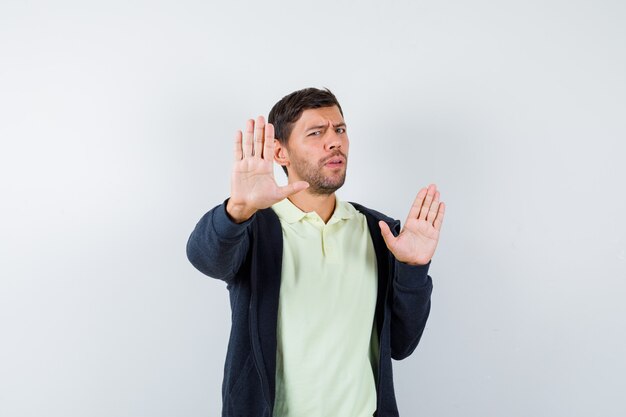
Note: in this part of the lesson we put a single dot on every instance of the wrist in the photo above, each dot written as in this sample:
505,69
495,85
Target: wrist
238,212
416,263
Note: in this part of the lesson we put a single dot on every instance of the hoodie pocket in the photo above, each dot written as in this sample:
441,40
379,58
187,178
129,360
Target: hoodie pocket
246,397
242,377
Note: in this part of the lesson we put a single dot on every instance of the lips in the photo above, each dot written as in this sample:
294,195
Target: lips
335,161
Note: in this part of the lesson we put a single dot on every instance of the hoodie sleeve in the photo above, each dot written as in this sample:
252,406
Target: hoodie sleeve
410,308
218,246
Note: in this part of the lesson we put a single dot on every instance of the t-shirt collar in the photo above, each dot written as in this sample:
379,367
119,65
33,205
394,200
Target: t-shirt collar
288,211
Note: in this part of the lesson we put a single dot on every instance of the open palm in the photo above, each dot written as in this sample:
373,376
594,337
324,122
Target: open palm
418,239
253,186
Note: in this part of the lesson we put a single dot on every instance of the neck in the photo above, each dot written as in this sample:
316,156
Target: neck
323,205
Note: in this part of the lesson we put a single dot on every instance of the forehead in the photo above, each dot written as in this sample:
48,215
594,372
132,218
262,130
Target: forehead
319,116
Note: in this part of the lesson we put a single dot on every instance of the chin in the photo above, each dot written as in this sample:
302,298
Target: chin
325,187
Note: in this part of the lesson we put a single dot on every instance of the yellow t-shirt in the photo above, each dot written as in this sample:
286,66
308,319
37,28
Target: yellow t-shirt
327,346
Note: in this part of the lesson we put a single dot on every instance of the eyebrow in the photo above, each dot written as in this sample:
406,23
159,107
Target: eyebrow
342,124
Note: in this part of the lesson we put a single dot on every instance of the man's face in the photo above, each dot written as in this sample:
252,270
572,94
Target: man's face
317,150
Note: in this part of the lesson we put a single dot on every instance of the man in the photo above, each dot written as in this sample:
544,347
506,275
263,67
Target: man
323,292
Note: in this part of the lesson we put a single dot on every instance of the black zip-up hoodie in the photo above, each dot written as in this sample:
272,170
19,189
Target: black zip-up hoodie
248,258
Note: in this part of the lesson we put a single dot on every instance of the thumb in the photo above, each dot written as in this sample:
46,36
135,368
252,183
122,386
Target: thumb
290,189
387,235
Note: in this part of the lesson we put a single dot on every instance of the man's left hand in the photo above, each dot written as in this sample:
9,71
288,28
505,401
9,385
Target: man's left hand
417,241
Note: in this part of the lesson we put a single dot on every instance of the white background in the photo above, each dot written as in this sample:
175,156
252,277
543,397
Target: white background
116,124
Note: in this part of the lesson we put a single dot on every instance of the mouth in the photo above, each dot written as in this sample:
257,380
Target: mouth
336,162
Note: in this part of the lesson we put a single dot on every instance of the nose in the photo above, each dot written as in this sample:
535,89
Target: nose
334,145
334,140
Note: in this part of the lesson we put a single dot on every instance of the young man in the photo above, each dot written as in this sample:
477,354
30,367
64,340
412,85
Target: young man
323,292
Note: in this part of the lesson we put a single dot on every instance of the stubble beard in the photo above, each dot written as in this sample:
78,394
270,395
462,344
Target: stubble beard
319,183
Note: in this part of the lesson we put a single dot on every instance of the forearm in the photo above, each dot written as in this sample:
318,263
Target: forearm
217,247
412,287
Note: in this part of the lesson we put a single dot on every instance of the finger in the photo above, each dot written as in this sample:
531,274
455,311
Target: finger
432,213
417,205
388,237
289,189
248,137
427,202
258,136
439,218
238,151
268,147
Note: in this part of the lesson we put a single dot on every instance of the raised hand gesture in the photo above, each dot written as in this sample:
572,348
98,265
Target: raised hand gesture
252,185
418,239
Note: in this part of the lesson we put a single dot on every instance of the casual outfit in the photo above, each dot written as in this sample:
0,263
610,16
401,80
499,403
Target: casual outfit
318,310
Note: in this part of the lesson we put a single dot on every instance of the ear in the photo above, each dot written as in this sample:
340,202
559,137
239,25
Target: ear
281,154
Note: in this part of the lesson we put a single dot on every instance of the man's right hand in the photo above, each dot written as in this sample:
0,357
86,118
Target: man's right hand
252,185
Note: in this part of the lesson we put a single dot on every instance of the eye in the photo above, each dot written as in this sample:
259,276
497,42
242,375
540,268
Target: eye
316,133
341,130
